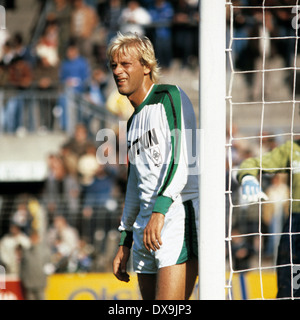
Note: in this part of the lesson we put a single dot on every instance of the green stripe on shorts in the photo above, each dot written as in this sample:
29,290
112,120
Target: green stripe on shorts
190,243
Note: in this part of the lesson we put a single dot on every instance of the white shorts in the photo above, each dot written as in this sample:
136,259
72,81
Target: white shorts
179,240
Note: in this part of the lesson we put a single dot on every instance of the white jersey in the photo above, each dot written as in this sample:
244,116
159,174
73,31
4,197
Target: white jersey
160,152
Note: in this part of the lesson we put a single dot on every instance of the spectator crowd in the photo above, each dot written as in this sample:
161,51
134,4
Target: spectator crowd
76,214
69,57
74,217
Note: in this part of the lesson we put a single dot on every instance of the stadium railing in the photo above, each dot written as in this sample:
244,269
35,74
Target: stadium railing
35,110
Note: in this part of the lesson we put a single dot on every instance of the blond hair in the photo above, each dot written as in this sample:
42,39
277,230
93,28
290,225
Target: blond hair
140,46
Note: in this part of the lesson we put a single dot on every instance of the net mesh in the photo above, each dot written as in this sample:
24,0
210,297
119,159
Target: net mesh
262,115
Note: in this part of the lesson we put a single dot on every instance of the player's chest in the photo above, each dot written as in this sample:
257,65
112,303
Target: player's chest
147,135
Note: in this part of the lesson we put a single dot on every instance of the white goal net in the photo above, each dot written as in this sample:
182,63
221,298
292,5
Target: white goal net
263,126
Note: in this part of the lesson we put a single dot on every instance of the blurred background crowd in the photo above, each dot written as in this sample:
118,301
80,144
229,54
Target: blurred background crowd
54,80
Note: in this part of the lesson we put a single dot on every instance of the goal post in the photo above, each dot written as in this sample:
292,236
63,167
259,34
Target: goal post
212,123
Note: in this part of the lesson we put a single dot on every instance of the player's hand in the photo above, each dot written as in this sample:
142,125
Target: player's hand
251,190
120,264
152,232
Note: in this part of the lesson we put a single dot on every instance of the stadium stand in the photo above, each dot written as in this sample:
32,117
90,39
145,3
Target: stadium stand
50,181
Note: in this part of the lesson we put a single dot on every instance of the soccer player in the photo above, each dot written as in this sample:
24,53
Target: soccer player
284,158
161,203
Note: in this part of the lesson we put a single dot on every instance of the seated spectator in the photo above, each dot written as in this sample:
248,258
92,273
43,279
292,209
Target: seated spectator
111,18
34,262
70,159
62,190
9,248
20,77
61,14
184,24
98,186
79,142
54,187
8,53
45,80
134,18
84,20
47,47
75,69
98,203
22,217
45,75
95,93
4,37
74,76
119,105
162,14
20,74
64,241
83,257
87,166
21,50
72,191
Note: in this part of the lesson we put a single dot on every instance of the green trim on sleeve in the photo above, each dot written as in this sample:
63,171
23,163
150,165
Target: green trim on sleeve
126,239
172,105
162,204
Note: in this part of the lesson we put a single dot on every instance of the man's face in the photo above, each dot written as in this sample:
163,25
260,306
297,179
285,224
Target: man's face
128,73
72,53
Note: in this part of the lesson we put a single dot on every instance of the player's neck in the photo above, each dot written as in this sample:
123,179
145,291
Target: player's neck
139,96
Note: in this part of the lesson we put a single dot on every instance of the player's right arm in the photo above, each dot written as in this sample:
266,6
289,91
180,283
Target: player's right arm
120,264
130,212
132,202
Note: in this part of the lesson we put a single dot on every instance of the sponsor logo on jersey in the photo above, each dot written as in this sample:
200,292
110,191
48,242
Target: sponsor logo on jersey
147,141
